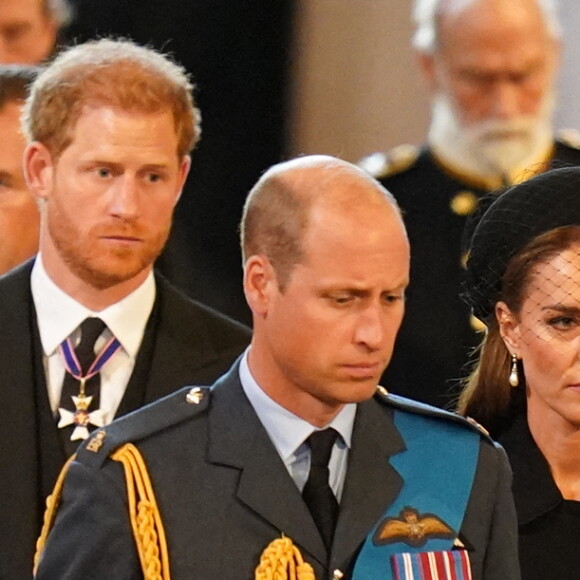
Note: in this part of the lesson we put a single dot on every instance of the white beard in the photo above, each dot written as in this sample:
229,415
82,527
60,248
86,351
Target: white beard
493,148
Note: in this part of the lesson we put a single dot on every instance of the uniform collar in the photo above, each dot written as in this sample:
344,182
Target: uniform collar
286,430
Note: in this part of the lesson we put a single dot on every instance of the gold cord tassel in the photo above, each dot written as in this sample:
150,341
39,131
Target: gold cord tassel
144,514
282,560
52,503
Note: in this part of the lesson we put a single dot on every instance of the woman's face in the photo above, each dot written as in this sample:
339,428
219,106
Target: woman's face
546,336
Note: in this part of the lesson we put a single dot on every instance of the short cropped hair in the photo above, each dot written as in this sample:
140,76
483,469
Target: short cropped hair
15,81
113,73
426,14
277,209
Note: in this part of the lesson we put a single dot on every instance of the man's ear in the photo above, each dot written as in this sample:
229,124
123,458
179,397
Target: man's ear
427,66
509,328
260,284
184,168
38,169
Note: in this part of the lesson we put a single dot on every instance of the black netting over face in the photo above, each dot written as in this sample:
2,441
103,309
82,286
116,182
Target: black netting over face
545,202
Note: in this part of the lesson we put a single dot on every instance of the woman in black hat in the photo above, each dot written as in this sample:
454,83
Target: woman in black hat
523,281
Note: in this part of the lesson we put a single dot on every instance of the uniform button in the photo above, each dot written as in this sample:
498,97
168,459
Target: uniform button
476,324
463,203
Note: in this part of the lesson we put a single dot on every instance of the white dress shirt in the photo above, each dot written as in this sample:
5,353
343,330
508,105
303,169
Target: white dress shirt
288,433
58,317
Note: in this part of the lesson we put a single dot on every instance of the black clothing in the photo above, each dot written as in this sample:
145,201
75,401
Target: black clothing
548,525
184,343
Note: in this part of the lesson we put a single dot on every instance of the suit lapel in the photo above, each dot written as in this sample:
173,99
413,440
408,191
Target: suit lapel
238,439
172,351
19,522
371,483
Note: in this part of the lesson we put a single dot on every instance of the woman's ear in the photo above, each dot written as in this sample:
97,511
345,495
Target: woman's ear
509,328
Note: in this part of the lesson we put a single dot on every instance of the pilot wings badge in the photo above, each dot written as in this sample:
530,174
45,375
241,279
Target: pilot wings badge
411,528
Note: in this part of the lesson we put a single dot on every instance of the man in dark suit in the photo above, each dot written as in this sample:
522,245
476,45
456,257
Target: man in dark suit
490,66
295,455
110,126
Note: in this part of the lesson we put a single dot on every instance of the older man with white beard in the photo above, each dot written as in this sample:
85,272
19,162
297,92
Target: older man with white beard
490,66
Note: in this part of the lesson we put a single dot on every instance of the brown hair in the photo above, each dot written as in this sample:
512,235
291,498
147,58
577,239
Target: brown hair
115,73
15,80
488,397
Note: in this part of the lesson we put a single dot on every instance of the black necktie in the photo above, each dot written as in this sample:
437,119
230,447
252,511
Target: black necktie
91,329
317,493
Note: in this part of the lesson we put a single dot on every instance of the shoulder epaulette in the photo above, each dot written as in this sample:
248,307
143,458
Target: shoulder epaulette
416,407
166,412
396,160
569,137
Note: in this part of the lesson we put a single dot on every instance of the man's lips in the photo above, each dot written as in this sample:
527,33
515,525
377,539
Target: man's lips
365,369
121,238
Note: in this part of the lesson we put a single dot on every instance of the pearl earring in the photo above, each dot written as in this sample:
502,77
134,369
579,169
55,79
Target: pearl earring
514,378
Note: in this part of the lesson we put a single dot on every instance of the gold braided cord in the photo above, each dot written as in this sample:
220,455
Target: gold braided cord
144,514
52,503
282,560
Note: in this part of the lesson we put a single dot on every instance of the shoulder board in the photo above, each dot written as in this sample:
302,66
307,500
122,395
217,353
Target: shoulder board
166,412
404,404
396,160
569,137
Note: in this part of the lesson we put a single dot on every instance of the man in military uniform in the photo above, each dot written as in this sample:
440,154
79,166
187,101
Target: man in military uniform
295,461
490,65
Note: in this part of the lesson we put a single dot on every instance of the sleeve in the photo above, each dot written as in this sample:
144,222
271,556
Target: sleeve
501,560
92,536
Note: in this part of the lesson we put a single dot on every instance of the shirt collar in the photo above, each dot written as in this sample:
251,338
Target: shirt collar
286,430
59,314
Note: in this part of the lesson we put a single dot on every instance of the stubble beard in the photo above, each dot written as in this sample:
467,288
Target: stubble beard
106,267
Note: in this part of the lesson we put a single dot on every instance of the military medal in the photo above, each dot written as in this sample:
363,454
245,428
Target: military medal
82,417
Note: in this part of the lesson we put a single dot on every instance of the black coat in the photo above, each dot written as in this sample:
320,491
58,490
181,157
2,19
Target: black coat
184,343
549,525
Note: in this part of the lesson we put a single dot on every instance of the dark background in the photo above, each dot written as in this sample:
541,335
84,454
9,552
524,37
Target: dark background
238,53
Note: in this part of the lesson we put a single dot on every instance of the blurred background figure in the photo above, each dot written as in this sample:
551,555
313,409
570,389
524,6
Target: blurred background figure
523,280
19,219
29,29
491,67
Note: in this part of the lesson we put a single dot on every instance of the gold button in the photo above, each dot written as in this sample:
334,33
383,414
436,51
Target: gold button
476,324
464,203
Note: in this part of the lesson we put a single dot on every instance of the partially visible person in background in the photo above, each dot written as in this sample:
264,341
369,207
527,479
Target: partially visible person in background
523,280
19,218
490,66
29,29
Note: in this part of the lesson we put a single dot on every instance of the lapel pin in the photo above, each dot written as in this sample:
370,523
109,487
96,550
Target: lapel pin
194,396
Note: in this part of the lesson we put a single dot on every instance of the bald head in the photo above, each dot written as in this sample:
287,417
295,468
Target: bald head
285,201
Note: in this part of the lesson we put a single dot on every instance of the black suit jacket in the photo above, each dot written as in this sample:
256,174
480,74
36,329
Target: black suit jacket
184,343
224,494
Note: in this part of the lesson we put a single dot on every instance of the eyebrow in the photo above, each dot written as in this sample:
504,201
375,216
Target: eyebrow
563,309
